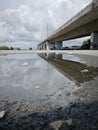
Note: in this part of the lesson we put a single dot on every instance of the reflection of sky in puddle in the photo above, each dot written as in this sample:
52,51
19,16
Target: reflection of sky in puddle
25,75
70,57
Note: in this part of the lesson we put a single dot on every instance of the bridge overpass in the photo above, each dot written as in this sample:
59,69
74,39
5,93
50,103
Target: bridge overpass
85,23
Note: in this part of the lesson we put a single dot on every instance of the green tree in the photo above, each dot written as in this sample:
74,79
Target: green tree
4,48
86,44
30,48
11,48
18,48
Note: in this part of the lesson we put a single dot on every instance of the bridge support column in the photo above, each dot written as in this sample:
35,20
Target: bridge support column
44,46
50,46
94,41
58,45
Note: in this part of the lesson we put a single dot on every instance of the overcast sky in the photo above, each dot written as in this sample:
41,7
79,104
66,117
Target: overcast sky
23,23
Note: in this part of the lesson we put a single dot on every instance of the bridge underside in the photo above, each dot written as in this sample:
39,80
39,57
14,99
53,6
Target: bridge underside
82,31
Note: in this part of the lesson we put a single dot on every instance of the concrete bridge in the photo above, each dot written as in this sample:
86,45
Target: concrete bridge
85,23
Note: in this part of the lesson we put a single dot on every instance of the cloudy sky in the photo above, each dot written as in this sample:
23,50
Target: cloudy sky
23,23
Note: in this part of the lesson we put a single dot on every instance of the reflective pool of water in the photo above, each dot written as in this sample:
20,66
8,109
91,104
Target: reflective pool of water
32,78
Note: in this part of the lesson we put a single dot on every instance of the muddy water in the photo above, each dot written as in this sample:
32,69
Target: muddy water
48,92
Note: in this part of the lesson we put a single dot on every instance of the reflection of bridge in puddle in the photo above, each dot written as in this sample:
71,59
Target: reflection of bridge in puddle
76,71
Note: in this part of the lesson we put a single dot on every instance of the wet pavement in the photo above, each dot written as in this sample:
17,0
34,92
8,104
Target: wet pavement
48,92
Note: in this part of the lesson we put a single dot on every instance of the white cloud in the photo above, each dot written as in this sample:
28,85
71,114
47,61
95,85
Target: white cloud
28,22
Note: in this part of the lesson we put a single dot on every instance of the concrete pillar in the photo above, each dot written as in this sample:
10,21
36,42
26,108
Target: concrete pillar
41,47
58,45
44,46
94,41
50,46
